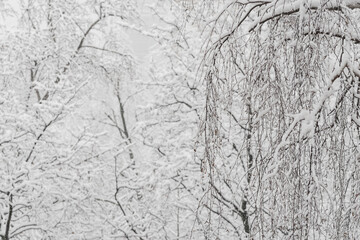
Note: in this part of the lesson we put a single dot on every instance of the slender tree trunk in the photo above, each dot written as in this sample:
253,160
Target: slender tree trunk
8,223
244,203
126,132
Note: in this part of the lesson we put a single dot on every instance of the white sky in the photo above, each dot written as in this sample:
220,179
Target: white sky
141,44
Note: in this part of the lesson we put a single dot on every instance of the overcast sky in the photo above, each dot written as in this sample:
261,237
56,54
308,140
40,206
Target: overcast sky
141,44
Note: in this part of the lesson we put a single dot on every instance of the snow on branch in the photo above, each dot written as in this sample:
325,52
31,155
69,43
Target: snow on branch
307,118
294,7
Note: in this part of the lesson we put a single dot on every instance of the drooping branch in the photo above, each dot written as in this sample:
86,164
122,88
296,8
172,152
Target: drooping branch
307,115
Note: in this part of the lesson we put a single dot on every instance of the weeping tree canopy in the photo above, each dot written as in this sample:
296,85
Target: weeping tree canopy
281,123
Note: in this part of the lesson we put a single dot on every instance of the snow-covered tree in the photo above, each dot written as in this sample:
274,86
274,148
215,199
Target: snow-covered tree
56,166
281,126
